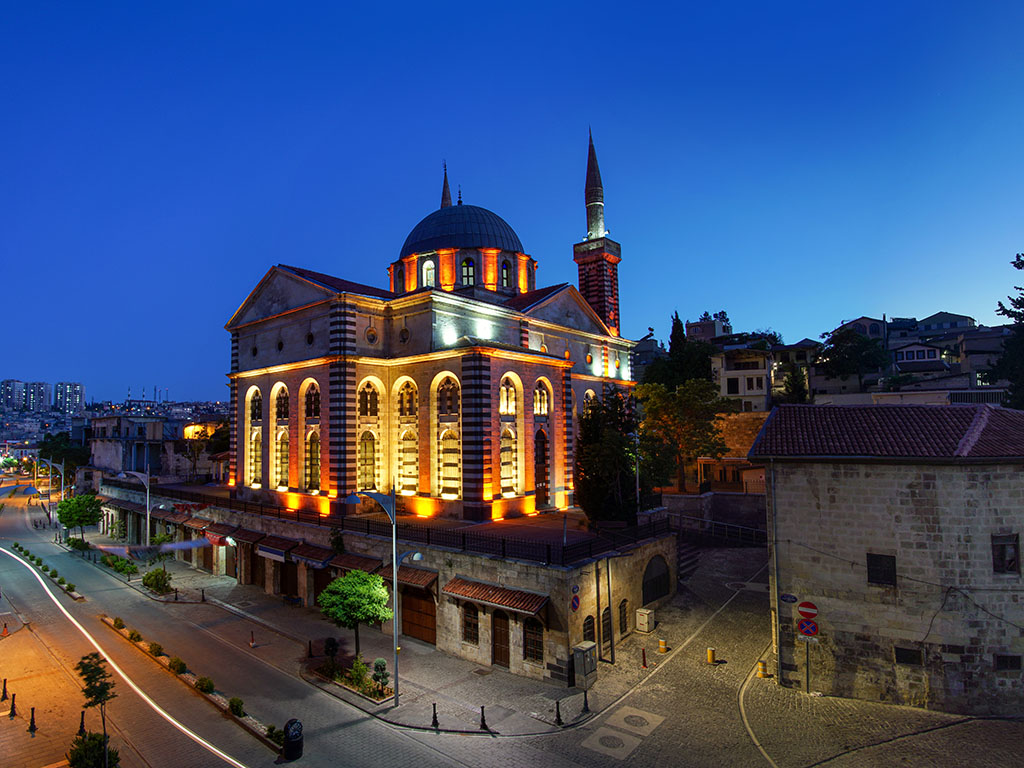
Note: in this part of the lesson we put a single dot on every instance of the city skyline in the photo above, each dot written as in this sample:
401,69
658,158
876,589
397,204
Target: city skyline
796,169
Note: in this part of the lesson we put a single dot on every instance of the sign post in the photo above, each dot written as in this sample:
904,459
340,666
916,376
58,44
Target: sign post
807,629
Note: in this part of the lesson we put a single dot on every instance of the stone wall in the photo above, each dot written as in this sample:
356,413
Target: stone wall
747,509
937,521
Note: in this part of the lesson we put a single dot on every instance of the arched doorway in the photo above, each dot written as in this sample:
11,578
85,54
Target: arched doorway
499,639
656,579
540,467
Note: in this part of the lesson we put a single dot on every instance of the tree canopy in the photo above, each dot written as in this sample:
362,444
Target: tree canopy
794,384
79,511
847,353
687,359
1010,363
353,599
59,448
98,689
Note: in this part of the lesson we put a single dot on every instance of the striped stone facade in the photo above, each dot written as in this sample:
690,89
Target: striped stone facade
477,445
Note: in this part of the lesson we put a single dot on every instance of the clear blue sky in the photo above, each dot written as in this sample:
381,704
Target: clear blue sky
796,164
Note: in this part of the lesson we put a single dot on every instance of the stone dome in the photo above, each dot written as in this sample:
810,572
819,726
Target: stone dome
461,226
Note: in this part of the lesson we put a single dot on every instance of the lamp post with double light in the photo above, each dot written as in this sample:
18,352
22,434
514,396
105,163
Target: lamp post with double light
387,503
53,468
144,478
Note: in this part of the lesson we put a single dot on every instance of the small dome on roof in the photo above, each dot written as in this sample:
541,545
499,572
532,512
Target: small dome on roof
461,226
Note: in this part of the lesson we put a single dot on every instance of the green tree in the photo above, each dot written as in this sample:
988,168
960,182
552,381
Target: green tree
98,689
794,384
604,476
1010,363
79,511
353,599
9,462
687,359
87,751
59,448
847,353
685,419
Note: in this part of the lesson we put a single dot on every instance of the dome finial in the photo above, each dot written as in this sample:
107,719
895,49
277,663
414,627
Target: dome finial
446,193
460,194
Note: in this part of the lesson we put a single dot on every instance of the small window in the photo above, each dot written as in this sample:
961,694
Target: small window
1005,554
588,629
1007,663
920,354
533,640
470,624
468,272
882,570
428,274
956,650
732,386
908,656
931,354
899,356
506,275
623,617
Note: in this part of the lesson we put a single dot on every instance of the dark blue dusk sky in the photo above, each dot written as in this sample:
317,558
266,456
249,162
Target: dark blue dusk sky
796,164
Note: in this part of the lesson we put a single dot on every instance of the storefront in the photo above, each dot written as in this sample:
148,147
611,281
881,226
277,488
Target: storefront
249,564
194,528
222,545
281,574
418,601
313,571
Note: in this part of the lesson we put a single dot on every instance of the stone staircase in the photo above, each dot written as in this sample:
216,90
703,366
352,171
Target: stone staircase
687,559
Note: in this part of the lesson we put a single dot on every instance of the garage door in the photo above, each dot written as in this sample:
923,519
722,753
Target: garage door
419,615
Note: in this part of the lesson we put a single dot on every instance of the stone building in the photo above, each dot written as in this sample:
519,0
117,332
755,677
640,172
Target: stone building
901,525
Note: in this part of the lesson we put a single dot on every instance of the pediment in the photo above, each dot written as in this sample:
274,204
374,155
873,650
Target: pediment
277,292
568,307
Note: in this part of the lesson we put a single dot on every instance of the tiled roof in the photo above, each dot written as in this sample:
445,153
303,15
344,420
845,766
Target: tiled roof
413,577
279,543
199,523
178,517
312,554
925,432
524,301
249,537
337,284
353,562
491,594
223,529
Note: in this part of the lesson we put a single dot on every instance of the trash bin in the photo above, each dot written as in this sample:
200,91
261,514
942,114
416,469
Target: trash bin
292,749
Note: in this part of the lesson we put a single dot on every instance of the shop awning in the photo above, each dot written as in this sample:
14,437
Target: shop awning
353,562
317,557
159,514
247,536
177,518
517,600
218,533
409,576
125,506
276,547
198,523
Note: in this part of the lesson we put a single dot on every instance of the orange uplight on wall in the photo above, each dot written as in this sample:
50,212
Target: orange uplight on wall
490,268
410,272
421,506
524,278
447,258
325,506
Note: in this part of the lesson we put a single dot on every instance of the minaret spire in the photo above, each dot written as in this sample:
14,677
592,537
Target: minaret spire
594,195
446,193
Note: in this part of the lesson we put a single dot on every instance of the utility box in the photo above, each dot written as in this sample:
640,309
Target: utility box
584,657
644,620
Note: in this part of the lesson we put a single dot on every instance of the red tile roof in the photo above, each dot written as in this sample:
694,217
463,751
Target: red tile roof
491,594
249,537
337,284
525,301
278,543
224,529
313,554
353,562
178,517
412,577
926,432
199,523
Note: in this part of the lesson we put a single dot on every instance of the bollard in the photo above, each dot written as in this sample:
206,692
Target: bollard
252,639
662,647
203,593
586,704
558,712
3,696
32,721
711,655
13,710
433,720
310,652
175,594
643,664
81,725
5,633
483,721
762,669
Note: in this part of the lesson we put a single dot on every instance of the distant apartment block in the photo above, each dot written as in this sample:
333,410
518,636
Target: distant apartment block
12,394
69,397
38,396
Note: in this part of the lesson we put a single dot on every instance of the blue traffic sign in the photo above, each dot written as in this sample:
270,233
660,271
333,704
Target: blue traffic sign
807,628
787,598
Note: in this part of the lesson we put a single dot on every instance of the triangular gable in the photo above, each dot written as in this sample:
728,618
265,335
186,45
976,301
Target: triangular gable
568,307
278,291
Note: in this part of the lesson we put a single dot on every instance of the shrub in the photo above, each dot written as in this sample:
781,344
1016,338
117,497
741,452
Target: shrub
53,573
157,580
204,685
79,544
17,546
87,751
156,649
70,587
118,623
236,706
61,581
381,674
275,735
357,674
45,569
135,636
176,665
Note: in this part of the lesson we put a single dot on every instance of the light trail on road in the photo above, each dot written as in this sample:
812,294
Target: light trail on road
131,683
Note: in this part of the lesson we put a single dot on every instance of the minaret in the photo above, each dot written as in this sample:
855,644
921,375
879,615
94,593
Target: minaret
598,256
446,193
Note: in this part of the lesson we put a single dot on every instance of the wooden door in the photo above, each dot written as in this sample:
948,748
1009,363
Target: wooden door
499,639
540,468
289,579
230,562
187,552
207,562
257,567
419,615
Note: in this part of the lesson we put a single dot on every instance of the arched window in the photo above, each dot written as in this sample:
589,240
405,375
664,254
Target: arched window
468,272
606,626
508,462
407,400
281,405
541,400
448,398
281,454
313,401
368,400
428,274
255,458
588,629
448,468
408,463
507,398
624,617
533,640
470,624
399,279
367,474
256,407
656,579
506,275
313,461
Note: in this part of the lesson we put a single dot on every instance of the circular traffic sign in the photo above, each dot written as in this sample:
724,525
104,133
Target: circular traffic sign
807,609
807,628
575,602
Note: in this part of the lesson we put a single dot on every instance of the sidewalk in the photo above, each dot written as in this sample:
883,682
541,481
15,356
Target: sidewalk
514,705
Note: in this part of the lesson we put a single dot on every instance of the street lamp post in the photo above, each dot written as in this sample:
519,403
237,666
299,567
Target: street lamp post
53,468
144,477
387,503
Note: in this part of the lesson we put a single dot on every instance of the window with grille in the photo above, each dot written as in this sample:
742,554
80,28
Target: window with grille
624,617
506,275
589,632
1005,554
540,401
881,570
281,405
408,468
468,272
448,398
313,462
282,458
367,462
533,640
470,624
256,407
507,398
407,400
313,402
448,467
256,458
369,401
508,462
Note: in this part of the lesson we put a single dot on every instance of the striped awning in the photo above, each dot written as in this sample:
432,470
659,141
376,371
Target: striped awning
353,562
518,600
276,547
317,557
